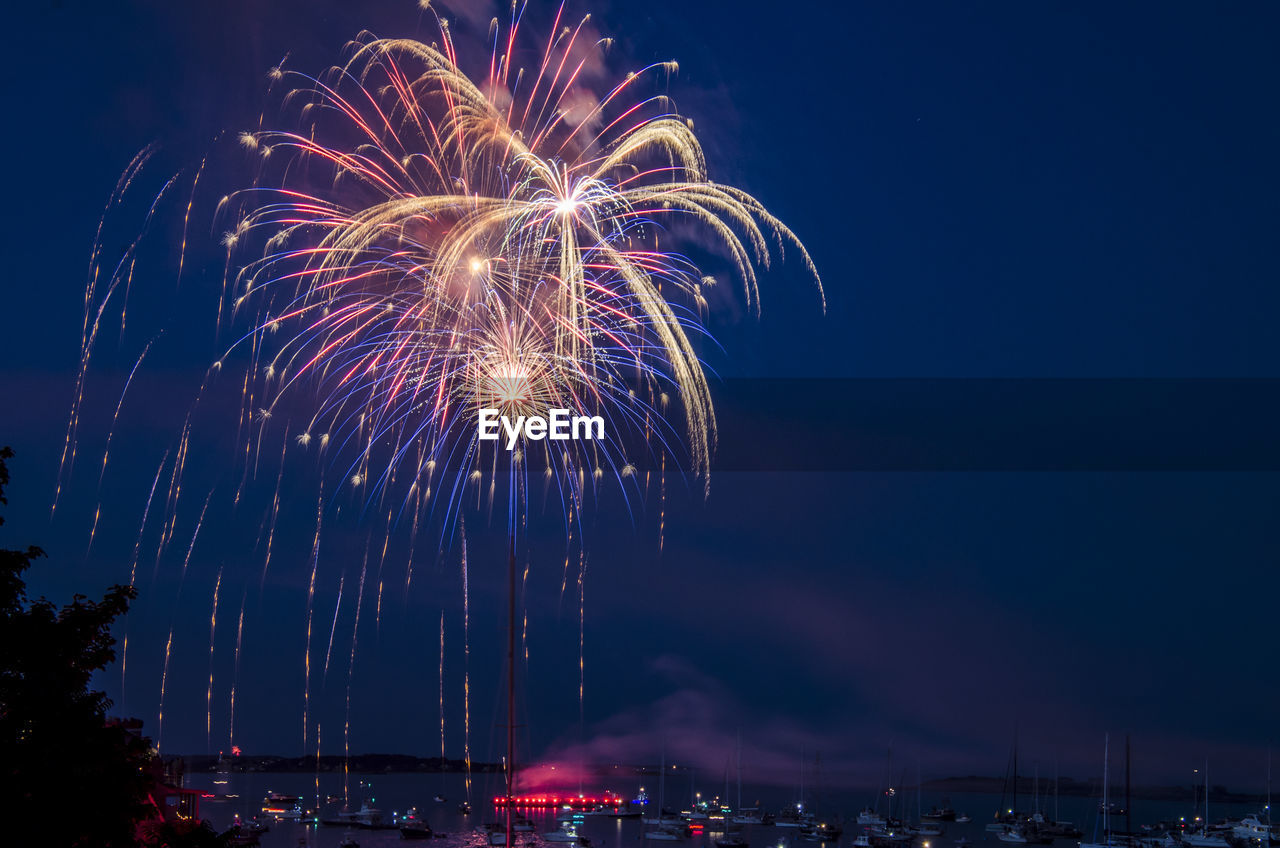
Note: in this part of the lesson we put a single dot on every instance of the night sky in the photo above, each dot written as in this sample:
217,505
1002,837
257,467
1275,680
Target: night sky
991,190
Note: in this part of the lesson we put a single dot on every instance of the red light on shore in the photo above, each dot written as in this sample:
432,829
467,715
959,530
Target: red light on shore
606,799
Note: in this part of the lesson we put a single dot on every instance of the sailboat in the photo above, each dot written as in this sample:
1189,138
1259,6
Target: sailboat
666,831
731,838
1205,838
742,816
871,815
1108,841
923,826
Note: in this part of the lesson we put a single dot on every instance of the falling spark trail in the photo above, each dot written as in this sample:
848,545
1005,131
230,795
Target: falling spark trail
235,677
106,451
351,670
311,595
186,219
334,627
213,625
170,522
67,460
191,547
133,573
164,678
164,674
146,511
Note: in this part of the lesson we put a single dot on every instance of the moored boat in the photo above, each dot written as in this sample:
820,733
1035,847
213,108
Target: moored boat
413,827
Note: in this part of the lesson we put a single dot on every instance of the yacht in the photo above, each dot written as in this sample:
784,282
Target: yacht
1251,828
945,813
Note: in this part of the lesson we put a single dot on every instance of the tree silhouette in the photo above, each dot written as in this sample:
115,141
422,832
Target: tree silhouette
67,774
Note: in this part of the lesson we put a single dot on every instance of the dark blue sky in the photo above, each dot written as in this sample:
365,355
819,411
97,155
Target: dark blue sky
1029,190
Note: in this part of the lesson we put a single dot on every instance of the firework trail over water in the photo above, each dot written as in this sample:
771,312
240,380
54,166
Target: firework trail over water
417,243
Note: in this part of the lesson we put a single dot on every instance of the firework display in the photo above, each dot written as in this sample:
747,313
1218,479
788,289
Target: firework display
417,245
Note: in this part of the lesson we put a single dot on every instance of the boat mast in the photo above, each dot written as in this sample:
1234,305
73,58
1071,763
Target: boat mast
1106,776
662,780
1056,816
1036,788
919,793
739,807
800,803
1015,772
1128,799
888,785
888,777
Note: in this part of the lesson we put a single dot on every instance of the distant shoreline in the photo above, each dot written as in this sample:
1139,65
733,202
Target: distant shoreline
362,763
408,764
1072,788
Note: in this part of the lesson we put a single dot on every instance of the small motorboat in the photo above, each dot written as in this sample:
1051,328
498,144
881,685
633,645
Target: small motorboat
440,799
412,827
567,833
